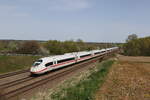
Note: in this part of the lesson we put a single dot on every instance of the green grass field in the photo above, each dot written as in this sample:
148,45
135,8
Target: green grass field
86,88
13,63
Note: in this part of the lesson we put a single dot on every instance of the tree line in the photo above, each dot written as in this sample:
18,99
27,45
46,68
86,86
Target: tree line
51,47
135,46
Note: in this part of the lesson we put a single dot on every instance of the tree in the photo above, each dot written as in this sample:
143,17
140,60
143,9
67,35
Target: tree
29,47
131,37
55,47
137,47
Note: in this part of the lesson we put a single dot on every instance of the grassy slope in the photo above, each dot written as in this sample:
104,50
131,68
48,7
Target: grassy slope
86,88
13,63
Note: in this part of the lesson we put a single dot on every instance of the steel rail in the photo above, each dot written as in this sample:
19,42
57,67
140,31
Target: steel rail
16,82
10,74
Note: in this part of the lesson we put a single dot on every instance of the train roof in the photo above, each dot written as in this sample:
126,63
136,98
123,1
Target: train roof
102,50
111,48
73,54
57,57
67,55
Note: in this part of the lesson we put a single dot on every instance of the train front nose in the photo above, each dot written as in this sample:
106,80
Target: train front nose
32,70
36,66
37,70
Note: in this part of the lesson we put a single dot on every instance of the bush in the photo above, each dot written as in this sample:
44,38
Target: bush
58,47
137,47
29,47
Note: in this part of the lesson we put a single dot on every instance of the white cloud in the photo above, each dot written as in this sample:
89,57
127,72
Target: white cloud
60,5
20,14
11,11
6,9
68,5
23,8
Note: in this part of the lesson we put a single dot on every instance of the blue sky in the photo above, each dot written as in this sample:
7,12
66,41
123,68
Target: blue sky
89,20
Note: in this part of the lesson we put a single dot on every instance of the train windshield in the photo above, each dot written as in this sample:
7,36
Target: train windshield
38,62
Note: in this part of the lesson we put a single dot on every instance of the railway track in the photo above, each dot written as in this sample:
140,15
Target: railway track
13,89
13,73
12,83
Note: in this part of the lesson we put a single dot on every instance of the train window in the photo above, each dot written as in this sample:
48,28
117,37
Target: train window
97,53
38,62
85,55
63,60
48,64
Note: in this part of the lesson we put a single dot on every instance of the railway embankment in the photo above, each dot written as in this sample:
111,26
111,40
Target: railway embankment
81,86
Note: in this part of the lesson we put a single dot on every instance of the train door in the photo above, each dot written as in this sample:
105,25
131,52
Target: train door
92,53
54,63
77,57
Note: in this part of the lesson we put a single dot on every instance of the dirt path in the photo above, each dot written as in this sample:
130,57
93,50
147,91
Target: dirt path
129,79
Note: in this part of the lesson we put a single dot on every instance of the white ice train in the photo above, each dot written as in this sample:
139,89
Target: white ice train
54,62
